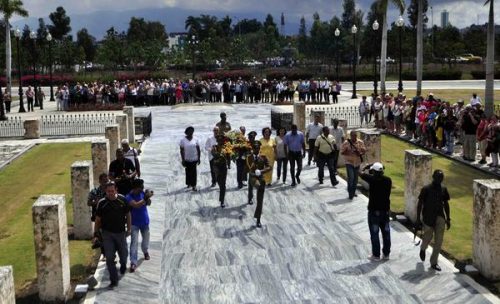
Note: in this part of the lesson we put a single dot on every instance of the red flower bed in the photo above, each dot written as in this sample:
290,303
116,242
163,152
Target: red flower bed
96,107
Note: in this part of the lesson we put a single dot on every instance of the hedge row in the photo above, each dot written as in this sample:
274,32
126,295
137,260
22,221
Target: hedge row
482,74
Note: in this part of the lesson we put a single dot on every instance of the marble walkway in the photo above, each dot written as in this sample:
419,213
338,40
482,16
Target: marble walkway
312,248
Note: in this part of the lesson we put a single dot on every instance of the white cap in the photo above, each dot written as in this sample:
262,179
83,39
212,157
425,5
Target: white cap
377,167
124,141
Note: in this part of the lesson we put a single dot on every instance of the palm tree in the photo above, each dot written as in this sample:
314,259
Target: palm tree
383,50
10,8
490,66
420,45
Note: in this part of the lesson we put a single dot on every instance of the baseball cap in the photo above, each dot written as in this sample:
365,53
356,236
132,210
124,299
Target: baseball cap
377,167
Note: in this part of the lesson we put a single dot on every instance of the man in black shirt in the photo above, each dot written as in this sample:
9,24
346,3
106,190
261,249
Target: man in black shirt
379,205
434,211
112,215
122,172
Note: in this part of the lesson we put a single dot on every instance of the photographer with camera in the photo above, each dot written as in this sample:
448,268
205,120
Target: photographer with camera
138,200
379,206
122,172
353,150
112,215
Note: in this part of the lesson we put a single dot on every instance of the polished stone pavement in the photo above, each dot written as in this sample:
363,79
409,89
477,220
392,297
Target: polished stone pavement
312,248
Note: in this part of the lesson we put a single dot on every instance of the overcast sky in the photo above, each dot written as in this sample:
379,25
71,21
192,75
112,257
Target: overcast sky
461,13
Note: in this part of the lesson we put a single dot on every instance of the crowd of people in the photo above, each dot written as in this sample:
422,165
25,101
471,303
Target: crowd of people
175,91
437,124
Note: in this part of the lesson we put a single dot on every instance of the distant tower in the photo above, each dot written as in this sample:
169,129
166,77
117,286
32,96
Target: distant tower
282,27
445,18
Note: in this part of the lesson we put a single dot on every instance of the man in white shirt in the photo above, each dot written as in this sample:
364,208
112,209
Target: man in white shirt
338,133
131,154
209,144
364,109
475,100
313,130
325,88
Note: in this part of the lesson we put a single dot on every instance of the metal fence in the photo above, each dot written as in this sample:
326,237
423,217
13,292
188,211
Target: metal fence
75,124
348,113
12,128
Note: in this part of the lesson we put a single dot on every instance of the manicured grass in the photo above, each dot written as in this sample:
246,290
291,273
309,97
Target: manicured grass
458,180
45,169
449,95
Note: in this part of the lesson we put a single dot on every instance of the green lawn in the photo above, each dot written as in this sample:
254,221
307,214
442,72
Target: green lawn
45,169
458,180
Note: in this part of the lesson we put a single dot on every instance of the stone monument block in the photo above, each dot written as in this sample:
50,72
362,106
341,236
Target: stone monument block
486,235
418,173
122,121
299,115
129,110
373,144
113,135
31,128
7,289
100,158
81,184
51,247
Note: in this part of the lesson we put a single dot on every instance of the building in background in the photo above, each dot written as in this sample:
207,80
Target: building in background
445,18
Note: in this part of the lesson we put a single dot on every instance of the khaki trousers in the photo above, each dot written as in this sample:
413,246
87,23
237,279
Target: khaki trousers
438,232
469,146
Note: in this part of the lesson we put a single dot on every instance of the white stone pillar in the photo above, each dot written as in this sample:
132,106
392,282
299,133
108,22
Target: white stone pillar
100,158
121,120
373,145
299,115
486,235
31,128
51,247
113,135
7,289
129,110
418,173
81,184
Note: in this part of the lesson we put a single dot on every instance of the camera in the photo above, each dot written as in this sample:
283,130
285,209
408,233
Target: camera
97,243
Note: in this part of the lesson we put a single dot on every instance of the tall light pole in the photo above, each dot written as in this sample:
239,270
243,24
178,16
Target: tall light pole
375,27
17,33
400,23
193,42
49,40
33,37
354,30
337,34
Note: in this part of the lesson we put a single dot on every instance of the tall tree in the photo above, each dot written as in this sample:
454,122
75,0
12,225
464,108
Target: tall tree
383,49
490,62
10,8
60,27
412,12
88,43
349,7
302,38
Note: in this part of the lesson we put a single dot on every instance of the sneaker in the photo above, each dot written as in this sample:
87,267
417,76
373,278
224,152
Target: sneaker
123,269
374,258
293,184
436,267
133,267
146,256
222,205
422,255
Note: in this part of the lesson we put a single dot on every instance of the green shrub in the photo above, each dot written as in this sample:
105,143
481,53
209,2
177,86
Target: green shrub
478,74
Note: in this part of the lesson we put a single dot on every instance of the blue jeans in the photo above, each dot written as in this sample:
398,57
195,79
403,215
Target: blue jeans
449,141
134,244
352,179
379,220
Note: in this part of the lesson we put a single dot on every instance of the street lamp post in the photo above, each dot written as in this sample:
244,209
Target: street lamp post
193,42
17,33
354,30
49,40
400,22
337,34
33,37
375,27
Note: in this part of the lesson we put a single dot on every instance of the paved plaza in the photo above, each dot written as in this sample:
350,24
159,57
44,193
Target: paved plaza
312,248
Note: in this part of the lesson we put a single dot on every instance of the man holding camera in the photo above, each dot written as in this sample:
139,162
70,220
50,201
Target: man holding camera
122,172
379,205
353,150
112,215
138,200
433,211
